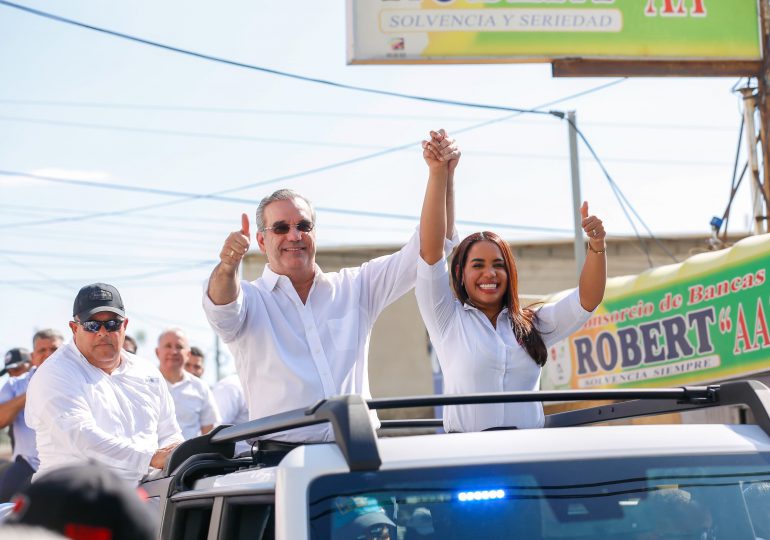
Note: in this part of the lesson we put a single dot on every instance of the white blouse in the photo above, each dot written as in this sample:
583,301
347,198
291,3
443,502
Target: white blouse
477,357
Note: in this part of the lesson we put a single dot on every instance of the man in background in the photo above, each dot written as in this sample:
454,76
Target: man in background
196,409
13,398
129,344
194,363
16,362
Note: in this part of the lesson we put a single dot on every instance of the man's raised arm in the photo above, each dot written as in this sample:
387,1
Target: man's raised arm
224,285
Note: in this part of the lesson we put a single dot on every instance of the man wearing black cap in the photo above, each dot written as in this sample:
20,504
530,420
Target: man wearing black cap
93,400
17,362
13,397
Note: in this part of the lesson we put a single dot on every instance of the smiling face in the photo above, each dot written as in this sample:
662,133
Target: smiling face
291,254
102,348
173,352
485,277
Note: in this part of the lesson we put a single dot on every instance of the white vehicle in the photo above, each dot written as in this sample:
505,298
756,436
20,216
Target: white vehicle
565,481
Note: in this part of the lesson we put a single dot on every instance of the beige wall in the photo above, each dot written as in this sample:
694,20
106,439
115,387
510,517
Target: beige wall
399,363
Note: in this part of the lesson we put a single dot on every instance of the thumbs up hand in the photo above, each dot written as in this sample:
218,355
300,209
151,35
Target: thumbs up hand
236,245
593,227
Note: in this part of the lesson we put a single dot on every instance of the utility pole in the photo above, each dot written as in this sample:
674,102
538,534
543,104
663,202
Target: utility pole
580,250
749,113
763,104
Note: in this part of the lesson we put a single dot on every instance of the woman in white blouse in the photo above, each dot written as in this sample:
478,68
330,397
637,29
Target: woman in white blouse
485,340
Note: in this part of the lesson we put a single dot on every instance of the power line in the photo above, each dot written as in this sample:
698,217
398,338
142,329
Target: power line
622,199
189,134
324,168
334,114
262,69
272,140
155,191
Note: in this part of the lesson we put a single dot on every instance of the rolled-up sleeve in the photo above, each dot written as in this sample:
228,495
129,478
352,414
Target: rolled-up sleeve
53,402
391,276
435,298
227,320
559,319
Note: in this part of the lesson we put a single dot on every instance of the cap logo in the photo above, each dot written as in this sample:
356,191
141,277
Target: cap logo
8,357
100,294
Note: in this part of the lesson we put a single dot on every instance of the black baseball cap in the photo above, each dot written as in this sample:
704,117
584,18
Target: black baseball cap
85,501
95,298
15,358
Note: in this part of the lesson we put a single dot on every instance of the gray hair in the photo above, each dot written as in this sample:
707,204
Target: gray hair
173,330
47,333
280,195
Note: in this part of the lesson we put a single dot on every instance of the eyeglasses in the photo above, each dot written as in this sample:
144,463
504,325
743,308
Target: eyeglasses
112,325
281,227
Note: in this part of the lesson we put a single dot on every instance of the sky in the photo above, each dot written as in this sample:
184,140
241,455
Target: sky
105,143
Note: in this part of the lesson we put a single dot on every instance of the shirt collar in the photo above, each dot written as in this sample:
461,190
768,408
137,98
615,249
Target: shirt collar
270,278
467,306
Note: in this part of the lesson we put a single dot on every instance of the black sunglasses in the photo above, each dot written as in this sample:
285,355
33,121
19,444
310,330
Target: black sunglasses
282,227
112,325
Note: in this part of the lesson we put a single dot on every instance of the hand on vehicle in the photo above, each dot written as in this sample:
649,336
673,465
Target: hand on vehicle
161,456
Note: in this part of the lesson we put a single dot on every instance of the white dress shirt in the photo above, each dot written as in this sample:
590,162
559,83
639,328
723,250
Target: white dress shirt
79,413
194,405
23,436
232,405
289,355
478,357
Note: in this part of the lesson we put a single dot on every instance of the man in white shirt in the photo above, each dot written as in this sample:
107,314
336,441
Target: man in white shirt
299,334
232,404
93,400
13,397
196,409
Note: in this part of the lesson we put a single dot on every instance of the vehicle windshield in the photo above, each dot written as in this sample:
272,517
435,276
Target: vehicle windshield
682,498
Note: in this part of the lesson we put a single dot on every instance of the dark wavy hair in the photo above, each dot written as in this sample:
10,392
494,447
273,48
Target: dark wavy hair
522,319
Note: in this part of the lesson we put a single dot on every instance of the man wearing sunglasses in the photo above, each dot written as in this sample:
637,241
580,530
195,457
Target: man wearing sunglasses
299,334
92,400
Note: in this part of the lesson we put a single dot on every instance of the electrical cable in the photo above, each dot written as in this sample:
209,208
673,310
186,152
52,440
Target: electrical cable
335,84
217,195
334,114
733,186
156,191
189,134
619,195
262,69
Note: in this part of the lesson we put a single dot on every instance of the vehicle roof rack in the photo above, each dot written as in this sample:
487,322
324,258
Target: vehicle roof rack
354,434
348,415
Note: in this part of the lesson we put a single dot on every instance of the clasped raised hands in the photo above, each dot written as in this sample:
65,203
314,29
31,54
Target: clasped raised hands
236,246
440,151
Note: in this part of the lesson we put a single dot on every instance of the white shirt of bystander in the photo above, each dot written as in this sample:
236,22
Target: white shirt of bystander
194,404
79,412
232,405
